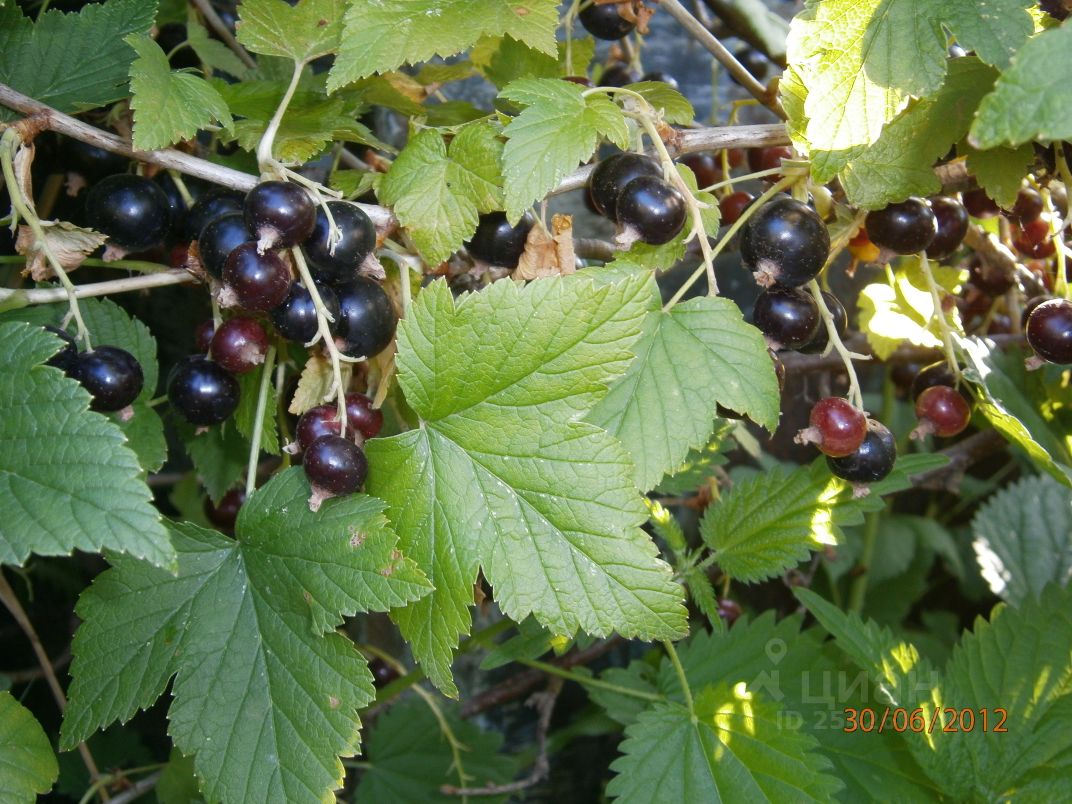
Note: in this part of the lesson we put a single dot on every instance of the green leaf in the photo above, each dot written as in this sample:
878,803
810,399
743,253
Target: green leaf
735,748
531,641
504,60
27,763
145,435
1023,538
307,128
503,474
219,455
1033,98
641,676
411,759
301,31
697,356
265,692
72,61
756,23
168,106
558,130
437,191
212,52
699,465
378,37
674,107
1000,171
245,416
46,507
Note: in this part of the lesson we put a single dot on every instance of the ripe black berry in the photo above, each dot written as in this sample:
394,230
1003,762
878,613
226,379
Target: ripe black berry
618,75
907,227
1049,331
279,214
382,673
979,204
993,280
613,173
203,335
836,427
335,464
705,167
316,422
211,205
654,208
111,375
357,241
941,411
604,21
361,416
259,281
841,324
1028,206
239,345
951,219
497,242
872,461
202,392
66,357
760,159
366,321
732,206
224,514
788,317
132,210
1029,308
295,319
935,374
219,238
785,242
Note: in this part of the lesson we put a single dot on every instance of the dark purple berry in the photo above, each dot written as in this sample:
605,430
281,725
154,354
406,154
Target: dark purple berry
618,74
279,214
316,422
951,219
613,173
224,514
132,210
239,345
785,242
358,239
219,238
841,324
942,412
653,208
202,392
907,227
361,416
872,461
837,428
203,335
604,22
979,204
1049,331
295,319
66,357
497,242
788,317
112,376
335,465
211,205
366,322
259,281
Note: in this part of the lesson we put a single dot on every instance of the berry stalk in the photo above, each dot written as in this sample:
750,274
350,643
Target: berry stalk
258,421
265,161
855,394
943,323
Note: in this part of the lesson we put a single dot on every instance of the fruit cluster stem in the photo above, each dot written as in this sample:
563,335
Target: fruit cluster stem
1060,283
258,421
265,160
856,396
943,323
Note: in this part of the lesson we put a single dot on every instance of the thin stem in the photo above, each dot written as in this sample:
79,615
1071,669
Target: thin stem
759,174
588,681
681,677
139,266
856,396
264,148
323,319
180,185
456,747
943,324
19,298
1060,285
258,421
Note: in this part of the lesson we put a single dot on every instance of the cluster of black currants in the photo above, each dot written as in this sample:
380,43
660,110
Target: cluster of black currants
112,375
335,463
629,189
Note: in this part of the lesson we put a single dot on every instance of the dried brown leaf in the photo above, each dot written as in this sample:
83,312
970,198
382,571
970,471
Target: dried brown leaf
69,244
548,253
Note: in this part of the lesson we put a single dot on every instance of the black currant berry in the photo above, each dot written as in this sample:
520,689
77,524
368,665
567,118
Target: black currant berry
760,159
92,162
618,75
66,357
613,173
705,167
111,375
941,412
785,242
211,205
219,238
1028,206
497,242
788,317
239,345
604,21
361,416
993,280
729,610
202,392
841,324
279,214
358,239
935,374
382,673
295,319
951,219
316,422
335,465
653,208
259,281
366,321
732,206
907,227
224,514
1049,331
872,461
837,428
979,204
132,210
1029,308
203,335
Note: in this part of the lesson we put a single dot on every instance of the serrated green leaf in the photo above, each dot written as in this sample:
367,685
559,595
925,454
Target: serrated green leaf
1032,99
265,692
145,435
168,106
382,36
697,356
72,61
503,60
306,129
735,748
531,641
212,52
558,130
437,191
246,415
756,23
1000,171
699,464
1023,538
219,455
411,759
671,104
639,675
27,763
503,474
45,507
299,31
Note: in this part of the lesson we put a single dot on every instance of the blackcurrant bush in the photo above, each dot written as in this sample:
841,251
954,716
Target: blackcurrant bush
837,428
705,167
203,335
112,376
613,173
497,242
841,324
202,392
732,206
907,227
132,210
259,281
941,411
979,204
618,75
358,239
279,214
219,238
335,464
951,219
788,317
1049,331
653,208
604,21
211,205
316,422
785,242
366,321
239,344
295,319
66,357
1027,207
361,416
872,461
224,514
1029,308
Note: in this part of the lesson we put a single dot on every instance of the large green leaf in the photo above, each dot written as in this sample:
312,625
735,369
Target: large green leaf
28,765
502,474
67,480
298,31
265,692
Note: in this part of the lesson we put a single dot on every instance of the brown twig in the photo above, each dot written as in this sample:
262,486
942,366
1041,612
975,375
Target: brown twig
798,363
137,789
107,288
962,456
34,673
220,27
